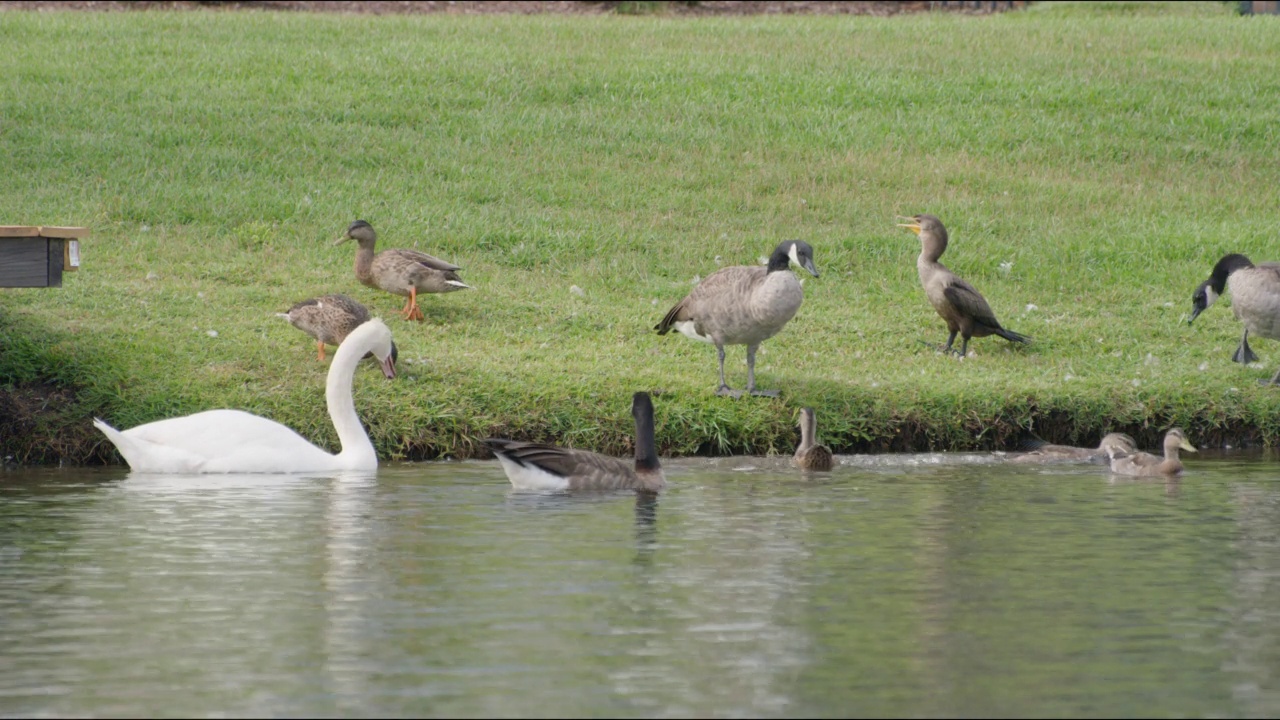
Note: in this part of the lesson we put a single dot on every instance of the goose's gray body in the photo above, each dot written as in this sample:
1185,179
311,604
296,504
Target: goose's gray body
743,305
1255,300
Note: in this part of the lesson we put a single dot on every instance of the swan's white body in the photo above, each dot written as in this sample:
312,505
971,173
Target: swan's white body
234,441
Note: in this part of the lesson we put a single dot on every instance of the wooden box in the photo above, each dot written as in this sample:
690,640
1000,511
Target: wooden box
36,256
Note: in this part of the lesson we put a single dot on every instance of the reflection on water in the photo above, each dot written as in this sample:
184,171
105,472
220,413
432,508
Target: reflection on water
931,584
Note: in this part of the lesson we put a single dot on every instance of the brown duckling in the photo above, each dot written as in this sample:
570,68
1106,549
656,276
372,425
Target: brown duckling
400,272
810,455
1144,464
330,319
1255,300
743,305
959,303
542,467
1049,453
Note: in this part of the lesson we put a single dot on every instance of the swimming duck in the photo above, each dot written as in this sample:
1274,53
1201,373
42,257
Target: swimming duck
1148,465
743,305
810,455
234,441
330,319
400,272
1255,300
958,302
542,467
1048,453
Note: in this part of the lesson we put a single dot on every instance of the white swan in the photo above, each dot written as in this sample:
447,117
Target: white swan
234,441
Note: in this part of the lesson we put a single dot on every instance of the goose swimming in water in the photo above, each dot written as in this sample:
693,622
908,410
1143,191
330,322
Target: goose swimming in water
743,305
234,441
400,272
959,303
542,467
1255,300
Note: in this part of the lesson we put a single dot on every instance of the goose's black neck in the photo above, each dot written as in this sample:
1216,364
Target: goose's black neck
781,258
1227,265
646,449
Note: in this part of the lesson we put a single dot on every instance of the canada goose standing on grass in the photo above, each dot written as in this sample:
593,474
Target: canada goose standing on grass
329,319
743,305
1147,465
1255,300
958,302
541,467
1048,453
810,455
400,272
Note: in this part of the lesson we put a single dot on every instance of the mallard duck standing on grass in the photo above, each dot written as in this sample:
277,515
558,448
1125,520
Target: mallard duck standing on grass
1144,464
959,303
809,454
743,305
400,272
1255,300
329,319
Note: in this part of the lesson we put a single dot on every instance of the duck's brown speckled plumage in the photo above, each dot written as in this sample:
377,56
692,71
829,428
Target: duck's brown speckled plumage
1144,464
1048,453
401,272
809,454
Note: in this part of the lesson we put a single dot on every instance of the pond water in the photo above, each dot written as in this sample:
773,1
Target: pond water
895,585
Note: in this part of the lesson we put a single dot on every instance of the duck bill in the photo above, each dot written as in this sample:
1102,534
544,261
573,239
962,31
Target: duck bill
1186,445
340,240
388,366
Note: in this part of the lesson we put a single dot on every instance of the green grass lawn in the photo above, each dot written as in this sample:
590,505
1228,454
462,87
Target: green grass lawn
1090,167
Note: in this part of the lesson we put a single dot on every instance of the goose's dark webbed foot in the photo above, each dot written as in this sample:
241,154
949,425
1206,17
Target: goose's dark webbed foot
764,393
728,391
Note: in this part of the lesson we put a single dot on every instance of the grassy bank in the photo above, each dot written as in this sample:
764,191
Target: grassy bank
1091,170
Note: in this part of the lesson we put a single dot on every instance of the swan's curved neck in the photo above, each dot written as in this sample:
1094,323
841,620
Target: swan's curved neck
357,449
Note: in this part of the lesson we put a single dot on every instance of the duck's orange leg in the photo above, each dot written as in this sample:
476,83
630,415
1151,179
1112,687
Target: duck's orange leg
412,311
320,349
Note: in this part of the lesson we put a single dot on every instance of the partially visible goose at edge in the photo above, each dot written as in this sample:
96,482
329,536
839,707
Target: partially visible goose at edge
743,305
959,303
809,454
330,319
542,467
400,272
1049,453
1144,464
1255,300
234,441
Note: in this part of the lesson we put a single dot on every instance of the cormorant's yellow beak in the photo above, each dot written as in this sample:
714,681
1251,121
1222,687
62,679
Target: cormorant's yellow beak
913,226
